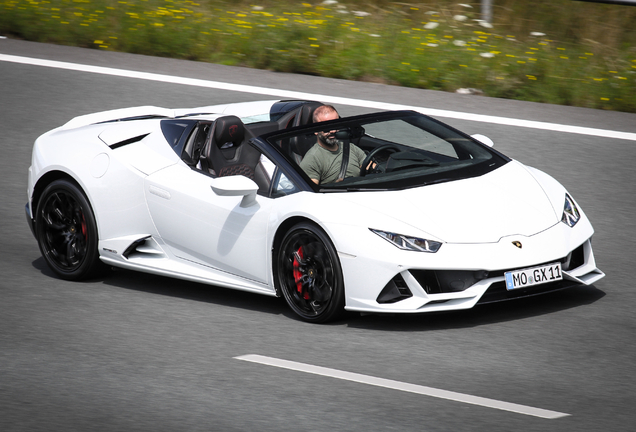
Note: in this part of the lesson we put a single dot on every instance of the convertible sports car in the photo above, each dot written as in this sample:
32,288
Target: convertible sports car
436,220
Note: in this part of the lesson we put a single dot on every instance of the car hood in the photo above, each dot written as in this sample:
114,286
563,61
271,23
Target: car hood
507,201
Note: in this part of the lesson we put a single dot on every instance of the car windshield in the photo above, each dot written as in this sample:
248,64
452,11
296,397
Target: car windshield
392,150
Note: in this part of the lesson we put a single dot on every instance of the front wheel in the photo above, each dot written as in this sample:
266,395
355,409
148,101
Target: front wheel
66,231
309,274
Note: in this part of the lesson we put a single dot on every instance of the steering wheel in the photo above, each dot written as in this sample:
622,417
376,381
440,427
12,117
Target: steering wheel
365,163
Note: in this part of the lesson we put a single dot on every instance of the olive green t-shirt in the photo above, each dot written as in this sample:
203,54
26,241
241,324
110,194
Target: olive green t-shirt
324,165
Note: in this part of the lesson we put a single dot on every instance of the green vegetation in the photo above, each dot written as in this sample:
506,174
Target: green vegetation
558,51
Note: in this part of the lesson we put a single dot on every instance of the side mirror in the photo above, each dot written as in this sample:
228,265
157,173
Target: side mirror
237,185
484,140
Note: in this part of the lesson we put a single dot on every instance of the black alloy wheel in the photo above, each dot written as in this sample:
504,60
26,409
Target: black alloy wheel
66,231
309,274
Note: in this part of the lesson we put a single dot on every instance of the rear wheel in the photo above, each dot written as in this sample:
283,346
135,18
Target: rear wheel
309,274
66,231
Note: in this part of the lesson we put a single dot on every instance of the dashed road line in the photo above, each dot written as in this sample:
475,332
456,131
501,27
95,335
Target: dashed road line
401,386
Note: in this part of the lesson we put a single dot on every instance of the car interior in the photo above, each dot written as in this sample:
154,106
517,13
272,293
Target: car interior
220,148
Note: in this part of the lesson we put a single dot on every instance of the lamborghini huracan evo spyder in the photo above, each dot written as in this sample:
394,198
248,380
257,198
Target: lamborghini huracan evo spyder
435,220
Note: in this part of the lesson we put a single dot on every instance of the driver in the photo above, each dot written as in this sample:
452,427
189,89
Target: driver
323,161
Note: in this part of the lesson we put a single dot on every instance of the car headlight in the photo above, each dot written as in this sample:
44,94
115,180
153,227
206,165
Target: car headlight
571,214
409,243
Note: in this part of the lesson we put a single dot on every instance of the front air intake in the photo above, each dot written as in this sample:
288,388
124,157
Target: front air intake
395,291
447,281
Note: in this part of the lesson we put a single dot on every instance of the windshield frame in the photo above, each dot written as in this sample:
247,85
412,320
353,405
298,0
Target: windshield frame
496,160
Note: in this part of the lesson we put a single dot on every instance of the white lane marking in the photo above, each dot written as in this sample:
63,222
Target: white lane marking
406,387
278,93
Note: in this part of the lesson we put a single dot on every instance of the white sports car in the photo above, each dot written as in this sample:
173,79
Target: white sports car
435,220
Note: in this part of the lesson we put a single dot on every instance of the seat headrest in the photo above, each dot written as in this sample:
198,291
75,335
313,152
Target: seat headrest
306,114
229,129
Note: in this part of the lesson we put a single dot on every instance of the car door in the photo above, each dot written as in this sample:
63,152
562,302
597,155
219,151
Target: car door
208,229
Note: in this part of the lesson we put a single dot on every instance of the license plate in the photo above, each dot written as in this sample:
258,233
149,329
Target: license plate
533,276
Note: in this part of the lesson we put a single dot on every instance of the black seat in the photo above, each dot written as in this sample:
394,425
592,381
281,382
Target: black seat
299,116
228,153
306,114
299,145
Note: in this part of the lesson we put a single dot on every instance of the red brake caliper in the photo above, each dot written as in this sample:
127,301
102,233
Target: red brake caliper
298,274
83,226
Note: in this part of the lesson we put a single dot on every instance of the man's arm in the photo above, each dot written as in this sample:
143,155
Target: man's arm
309,164
360,155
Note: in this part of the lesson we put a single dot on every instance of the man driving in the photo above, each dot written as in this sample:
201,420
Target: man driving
323,161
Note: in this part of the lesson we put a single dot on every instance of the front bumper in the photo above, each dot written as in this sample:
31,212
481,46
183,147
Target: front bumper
460,276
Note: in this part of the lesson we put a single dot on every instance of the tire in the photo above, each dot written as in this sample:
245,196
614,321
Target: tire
66,231
309,274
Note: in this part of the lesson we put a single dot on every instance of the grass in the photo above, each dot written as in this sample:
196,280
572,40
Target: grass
561,52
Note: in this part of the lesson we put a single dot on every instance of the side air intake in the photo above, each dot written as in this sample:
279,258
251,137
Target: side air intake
144,247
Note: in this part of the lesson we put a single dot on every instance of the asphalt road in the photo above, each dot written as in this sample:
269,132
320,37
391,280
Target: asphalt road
135,352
